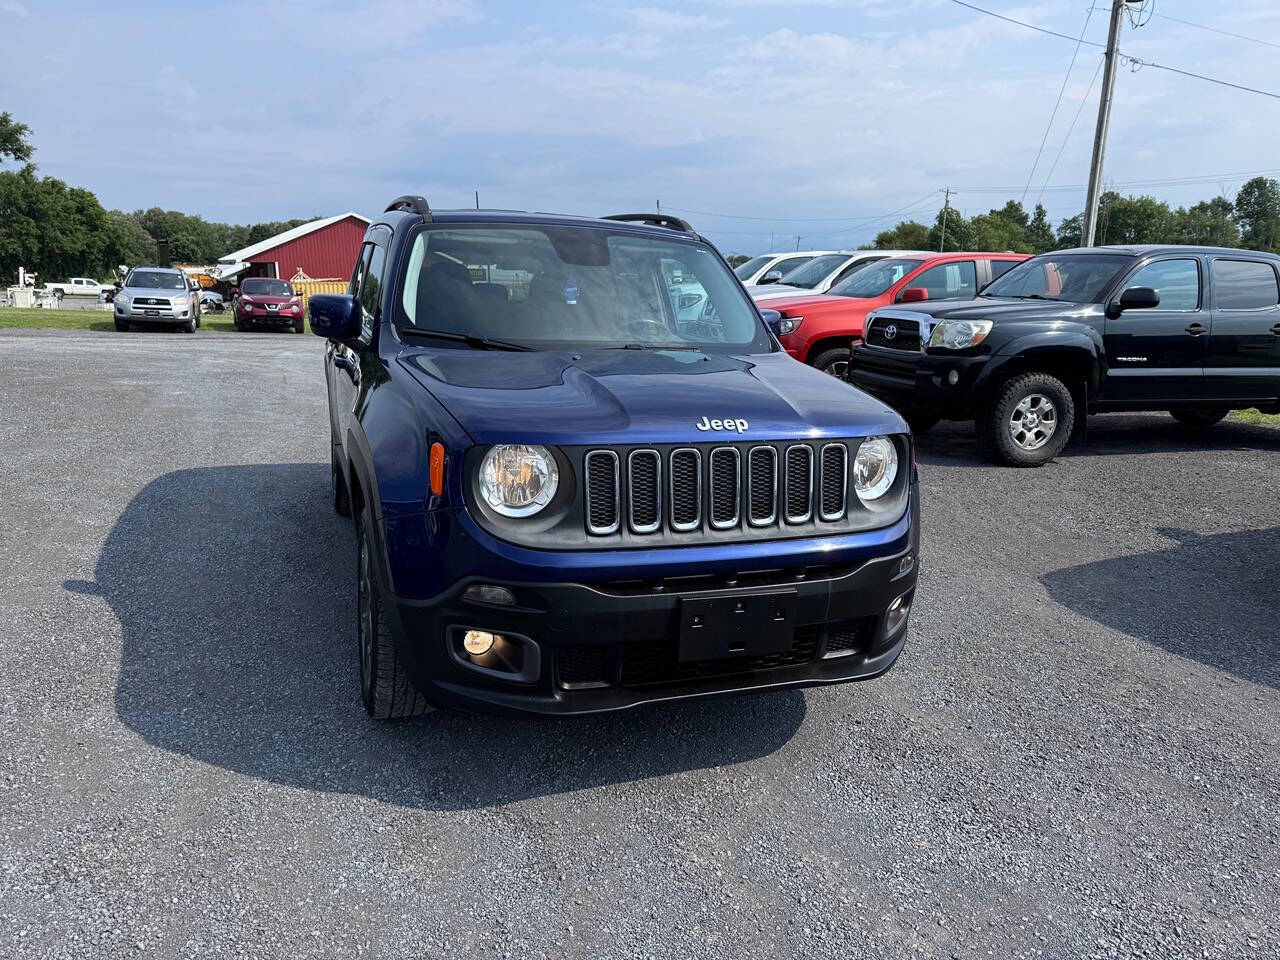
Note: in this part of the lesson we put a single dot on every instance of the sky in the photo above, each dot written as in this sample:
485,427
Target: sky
765,123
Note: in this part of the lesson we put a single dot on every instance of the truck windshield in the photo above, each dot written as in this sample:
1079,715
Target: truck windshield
266,287
550,287
875,278
1074,278
156,280
814,272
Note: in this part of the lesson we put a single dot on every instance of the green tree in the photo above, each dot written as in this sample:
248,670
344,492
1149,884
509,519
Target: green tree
907,235
14,142
1128,220
958,235
130,244
1257,210
1070,232
737,259
1209,222
1038,234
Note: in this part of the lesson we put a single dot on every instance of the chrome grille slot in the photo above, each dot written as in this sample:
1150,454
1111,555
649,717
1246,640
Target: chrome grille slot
799,483
834,481
762,486
685,492
725,492
602,492
644,482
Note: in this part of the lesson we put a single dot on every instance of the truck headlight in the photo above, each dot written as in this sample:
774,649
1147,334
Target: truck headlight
959,334
875,467
518,480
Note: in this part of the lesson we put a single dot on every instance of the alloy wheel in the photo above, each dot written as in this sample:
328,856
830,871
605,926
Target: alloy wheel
1033,421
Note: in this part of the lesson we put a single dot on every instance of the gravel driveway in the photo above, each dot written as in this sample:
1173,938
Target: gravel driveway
1078,754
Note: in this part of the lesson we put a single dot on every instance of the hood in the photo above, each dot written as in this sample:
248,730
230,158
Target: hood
998,308
821,302
631,396
268,297
768,291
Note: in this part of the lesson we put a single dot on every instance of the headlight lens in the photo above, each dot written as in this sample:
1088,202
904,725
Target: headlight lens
959,334
181,301
518,480
122,297
789,325
875,467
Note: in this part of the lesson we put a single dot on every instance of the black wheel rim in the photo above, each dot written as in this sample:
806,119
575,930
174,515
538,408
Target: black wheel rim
364,617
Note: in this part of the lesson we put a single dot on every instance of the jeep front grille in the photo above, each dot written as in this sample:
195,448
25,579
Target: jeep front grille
713,490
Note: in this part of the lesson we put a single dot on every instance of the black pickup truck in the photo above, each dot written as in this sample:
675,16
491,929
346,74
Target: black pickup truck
1191,330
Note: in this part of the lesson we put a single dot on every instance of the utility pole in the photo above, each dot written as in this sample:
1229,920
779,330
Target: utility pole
658,204
946,205
797,243
1090,225
771,241
477,199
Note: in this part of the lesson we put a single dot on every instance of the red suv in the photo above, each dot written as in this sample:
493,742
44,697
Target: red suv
819,329
267,300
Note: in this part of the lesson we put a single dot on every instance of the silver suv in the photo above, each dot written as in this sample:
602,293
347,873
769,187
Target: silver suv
157,295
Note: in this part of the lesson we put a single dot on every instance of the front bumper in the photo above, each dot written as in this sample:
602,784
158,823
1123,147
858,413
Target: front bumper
911,380
140,313
614,645
260,314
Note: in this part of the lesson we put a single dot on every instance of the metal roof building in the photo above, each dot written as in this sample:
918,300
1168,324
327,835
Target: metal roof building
321,249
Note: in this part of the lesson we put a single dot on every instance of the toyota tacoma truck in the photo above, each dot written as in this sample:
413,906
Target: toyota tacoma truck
569,496
1191,330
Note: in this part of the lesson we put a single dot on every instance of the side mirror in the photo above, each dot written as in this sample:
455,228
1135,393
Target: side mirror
334,316
772,319
913,295
773,276
1138,298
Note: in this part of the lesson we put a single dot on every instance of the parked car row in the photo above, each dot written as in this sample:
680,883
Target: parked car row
166,296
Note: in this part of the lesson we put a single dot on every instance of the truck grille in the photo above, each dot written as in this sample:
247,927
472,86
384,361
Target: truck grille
714,489
906,333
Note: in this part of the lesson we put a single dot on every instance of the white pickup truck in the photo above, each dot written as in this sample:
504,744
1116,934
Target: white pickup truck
79,287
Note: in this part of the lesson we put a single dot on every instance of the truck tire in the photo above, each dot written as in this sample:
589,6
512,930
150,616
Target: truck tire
834,362
385,689
1199,419
1029,422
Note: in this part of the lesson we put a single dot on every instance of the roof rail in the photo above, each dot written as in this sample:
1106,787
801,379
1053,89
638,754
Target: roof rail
411,204
653,220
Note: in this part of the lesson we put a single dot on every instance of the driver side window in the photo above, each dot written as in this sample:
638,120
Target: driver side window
1176,281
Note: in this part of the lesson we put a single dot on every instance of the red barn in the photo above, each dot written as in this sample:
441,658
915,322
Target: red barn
323,249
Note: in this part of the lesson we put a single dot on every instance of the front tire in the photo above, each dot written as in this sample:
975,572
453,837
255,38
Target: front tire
1199,419
299,326
122,325
189,326
385,689
1030,421
834,362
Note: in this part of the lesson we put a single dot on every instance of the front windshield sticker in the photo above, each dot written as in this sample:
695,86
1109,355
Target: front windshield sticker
571,292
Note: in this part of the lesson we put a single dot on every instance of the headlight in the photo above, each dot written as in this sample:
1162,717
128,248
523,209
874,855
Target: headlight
959,334
247,301
518,480
122,297
875,467
181,301
789,325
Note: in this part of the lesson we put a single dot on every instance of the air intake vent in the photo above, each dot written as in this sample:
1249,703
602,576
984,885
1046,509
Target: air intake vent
686,488
762,484
799,484
835,480
644,470
725,496
602,492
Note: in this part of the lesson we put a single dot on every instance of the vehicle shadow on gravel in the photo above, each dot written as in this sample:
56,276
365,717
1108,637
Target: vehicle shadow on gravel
1208,598
233,587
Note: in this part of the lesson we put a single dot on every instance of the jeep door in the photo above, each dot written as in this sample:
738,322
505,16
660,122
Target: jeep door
1243,361
1156,355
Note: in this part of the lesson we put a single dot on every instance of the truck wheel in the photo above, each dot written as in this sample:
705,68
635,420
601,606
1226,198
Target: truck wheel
1198,419
384,687
122,325
1030,421
834,362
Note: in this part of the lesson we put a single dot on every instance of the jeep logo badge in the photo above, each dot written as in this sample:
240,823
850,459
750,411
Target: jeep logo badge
737,426
891,332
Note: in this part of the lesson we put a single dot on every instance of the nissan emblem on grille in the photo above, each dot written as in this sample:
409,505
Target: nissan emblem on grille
891,331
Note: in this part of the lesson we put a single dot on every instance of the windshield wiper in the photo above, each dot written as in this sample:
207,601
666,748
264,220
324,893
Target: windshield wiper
656,346
470,339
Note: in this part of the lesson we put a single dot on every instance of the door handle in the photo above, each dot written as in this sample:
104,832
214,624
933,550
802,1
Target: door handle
1195,329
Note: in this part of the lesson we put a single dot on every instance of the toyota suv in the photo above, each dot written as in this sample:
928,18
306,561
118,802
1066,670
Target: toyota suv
157,296
1191,330
570,495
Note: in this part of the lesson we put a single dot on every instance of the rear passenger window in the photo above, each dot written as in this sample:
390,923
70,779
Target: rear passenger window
1244,285
1000,267
1177,282
371,290
948,281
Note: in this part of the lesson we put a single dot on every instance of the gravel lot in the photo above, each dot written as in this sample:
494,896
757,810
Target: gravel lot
1078,754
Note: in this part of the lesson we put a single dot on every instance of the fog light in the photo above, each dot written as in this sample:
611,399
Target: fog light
478,642
896,618
488,593
953,377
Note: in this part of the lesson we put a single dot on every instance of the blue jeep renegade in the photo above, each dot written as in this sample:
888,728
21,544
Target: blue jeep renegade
585,476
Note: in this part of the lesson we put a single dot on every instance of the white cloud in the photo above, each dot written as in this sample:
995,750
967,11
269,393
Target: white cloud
15,8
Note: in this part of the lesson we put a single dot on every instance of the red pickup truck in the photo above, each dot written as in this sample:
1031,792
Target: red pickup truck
819,329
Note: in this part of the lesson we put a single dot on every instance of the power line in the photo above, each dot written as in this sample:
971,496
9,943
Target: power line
1225,33
1053,114
739,216
1023,23
1070,130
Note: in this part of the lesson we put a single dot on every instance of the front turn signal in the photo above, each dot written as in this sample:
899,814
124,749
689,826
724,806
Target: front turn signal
436,473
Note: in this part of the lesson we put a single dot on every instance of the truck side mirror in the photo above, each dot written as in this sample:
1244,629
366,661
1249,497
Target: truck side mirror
913,295
1139,298
334,316
773,276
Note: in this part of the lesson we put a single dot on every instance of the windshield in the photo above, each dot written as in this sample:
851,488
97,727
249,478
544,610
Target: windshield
265,287
744,270
1075,278
156,280
875,278
549,287
815,271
